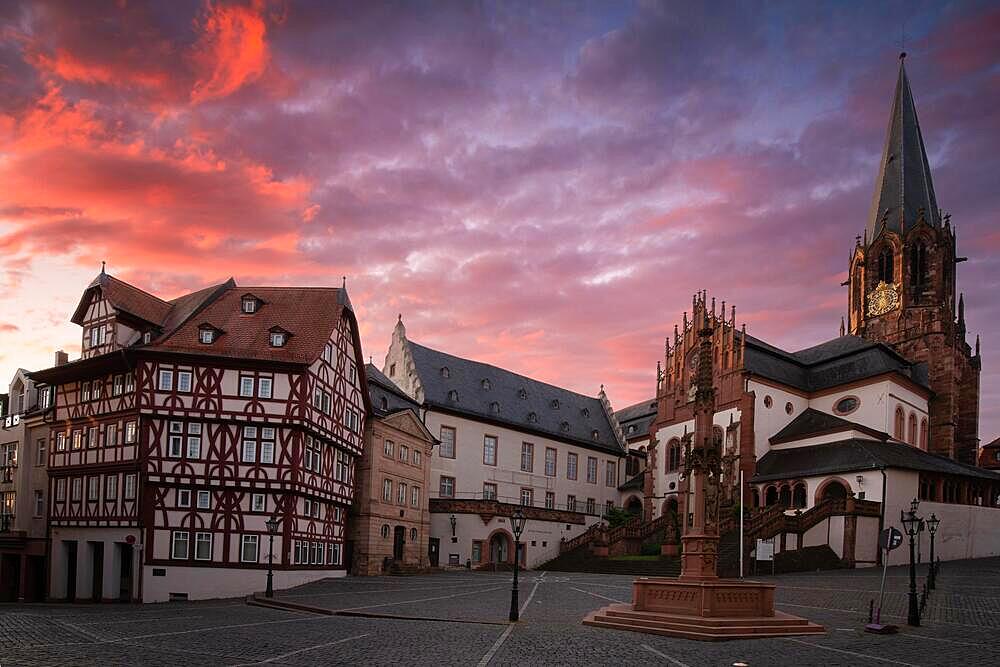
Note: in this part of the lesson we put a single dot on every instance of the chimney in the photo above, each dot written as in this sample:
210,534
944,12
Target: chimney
61,358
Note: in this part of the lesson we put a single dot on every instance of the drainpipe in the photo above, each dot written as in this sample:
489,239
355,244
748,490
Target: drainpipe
881,516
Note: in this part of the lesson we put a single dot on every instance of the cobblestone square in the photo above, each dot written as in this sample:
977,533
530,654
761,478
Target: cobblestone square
460,619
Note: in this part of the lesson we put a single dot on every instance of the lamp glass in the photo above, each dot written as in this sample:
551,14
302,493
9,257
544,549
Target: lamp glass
909,520
932,523
272,525
517,523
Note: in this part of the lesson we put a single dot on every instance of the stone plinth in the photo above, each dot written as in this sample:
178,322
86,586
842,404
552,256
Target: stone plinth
710,610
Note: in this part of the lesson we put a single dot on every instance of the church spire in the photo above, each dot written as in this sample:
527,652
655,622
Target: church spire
904,183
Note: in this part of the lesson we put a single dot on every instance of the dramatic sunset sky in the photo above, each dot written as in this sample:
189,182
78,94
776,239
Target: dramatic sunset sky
537,185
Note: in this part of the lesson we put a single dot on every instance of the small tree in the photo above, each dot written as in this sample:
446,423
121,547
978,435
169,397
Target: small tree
618,517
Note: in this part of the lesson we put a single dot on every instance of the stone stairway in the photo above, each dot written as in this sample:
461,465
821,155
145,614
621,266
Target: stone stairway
582,560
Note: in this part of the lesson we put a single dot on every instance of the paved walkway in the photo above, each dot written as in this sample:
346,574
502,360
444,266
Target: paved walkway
465,624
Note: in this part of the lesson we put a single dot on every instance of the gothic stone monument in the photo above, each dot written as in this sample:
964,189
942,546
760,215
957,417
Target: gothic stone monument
698,604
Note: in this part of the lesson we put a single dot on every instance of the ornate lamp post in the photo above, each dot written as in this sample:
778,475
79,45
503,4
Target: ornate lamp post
272,530
911,524
517,525
932,526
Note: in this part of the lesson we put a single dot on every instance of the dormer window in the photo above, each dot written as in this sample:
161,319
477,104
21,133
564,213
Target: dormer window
631,429
554,404
595,435
585,412
532,418
495,408
486,385
564,427
522,394
249,304
278,338
445,373
453,396
207,335
146,337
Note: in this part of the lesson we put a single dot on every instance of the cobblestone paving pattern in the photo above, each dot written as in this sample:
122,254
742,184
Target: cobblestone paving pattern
958,625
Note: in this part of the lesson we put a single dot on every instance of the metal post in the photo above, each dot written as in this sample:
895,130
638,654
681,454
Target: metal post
270,567
513,591
881,594
932,574
742,514
913,615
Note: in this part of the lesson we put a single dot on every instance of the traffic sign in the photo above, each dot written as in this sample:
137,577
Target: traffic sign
890,538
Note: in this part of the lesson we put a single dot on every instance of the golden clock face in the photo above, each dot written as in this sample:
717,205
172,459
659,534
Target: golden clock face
884,297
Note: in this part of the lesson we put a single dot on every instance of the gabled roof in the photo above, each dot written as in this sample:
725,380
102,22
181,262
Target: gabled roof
639,415
123,297
903,186
309,314
834,362
857,454
519,398
811,422
379,387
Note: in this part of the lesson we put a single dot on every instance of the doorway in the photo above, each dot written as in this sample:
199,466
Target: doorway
125,582
97,573
499,548
70,546
10,575
398,541
433,547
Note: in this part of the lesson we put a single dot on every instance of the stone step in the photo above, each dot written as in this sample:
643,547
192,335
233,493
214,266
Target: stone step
625,612
694,628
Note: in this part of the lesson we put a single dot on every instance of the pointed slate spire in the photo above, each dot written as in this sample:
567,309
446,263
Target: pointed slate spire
904,182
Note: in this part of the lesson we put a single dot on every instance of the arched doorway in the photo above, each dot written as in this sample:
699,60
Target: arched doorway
833,489
634,506
398,541
499,548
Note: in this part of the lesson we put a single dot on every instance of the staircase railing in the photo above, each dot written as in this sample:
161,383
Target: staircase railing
586,537
773,520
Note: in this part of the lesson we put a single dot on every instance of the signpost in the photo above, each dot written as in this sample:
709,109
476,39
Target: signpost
765,551
888,539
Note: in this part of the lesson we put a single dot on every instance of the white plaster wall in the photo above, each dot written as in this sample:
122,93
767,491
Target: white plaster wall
470,527
965,531
878,403
206,583
470,472
768,421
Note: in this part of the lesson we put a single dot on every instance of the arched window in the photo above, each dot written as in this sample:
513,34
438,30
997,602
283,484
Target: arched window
673,454
898,426
885,265
856,289
911,433
923,434
785,496
799,496
918,264
834,490
717,436
755,498
770,496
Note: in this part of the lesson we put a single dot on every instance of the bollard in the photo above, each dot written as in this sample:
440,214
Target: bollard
871,611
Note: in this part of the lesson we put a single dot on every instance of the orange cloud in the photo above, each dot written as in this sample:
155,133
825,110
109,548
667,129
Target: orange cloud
231,50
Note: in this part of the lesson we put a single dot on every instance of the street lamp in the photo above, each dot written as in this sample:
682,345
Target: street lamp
272,530
911,524
932,526
517,525
453,522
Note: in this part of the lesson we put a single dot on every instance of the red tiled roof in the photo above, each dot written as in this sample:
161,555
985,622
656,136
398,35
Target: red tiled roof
309,314
124,297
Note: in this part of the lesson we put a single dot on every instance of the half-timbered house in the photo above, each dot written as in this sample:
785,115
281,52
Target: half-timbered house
186,424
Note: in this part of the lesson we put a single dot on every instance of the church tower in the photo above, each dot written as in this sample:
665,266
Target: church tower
903,284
